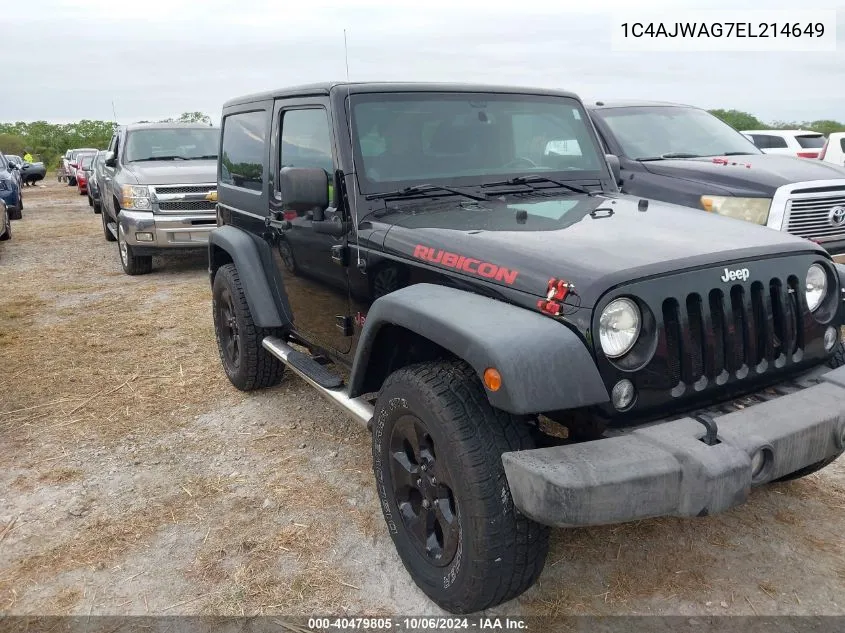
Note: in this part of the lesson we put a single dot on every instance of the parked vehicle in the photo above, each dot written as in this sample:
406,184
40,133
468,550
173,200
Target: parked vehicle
800,143
834,149
158,192
30,172
70,163
11,191
6,225
83,162
687,156
464,252
94,179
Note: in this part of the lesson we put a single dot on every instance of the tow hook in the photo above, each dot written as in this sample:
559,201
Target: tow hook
556,292
710,438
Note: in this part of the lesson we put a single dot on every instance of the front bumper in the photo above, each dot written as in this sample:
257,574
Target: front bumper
664,469
169,231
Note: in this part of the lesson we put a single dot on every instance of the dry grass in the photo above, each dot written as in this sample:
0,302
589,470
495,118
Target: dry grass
60,475
114,353
106,538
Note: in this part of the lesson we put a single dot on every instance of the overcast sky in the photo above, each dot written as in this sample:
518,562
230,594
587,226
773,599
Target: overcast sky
158,58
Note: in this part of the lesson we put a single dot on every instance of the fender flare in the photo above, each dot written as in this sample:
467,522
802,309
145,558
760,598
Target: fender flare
243,252
544,365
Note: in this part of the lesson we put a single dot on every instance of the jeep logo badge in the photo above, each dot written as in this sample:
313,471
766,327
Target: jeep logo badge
836,217
734,275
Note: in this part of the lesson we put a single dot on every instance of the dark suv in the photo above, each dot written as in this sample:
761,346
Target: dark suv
528,346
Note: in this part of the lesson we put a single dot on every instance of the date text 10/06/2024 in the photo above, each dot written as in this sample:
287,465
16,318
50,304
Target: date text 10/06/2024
419,624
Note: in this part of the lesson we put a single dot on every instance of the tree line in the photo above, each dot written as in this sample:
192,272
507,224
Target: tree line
48,142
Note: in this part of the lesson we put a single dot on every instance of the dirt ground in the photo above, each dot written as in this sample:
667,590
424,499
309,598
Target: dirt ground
136,480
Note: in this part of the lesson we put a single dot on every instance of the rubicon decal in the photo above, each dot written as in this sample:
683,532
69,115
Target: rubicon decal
466,264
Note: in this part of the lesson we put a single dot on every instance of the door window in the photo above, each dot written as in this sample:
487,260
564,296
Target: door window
306,142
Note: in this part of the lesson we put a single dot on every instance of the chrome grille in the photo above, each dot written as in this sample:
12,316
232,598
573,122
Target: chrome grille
196,205
192,198
809,211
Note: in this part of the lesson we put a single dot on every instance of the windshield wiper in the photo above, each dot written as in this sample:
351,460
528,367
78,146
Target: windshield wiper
149,158
670,155
736,154
206,157
421,189
528,180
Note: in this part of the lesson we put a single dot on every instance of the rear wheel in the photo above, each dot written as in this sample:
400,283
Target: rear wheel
437,447
132,264
247,364
17,212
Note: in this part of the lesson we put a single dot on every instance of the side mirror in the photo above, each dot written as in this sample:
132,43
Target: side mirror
13,165
615,167
304,189
109,160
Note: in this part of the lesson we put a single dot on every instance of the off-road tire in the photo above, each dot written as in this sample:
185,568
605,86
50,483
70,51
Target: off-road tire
132,264
809,470
7,220
251,367
71,182
108,234
98,209
501,552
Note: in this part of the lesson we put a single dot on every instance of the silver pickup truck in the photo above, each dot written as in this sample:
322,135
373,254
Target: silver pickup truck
159,190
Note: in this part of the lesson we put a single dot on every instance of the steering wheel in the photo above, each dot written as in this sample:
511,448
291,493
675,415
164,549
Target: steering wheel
521,160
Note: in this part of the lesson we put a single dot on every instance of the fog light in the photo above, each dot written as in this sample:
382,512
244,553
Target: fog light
760,462
144,237
623,394
829,338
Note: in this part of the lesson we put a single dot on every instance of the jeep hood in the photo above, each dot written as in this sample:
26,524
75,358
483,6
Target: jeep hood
752,174
173,172
593,242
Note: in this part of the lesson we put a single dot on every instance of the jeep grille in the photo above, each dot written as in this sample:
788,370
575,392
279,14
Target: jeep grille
732,331
809,213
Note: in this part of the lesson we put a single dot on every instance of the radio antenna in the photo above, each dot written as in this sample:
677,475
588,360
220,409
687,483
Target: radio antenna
114,112
354,201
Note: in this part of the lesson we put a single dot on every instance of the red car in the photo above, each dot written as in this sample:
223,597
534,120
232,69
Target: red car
83,166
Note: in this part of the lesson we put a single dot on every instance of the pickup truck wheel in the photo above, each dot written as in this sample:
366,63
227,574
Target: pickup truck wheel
132,264
109,236
247,364
809,470
437,446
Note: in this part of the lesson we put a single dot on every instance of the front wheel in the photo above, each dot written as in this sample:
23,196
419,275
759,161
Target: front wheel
7,223
247,364
437,460
132,264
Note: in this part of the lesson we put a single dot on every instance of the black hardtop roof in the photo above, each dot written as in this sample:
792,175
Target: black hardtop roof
324,88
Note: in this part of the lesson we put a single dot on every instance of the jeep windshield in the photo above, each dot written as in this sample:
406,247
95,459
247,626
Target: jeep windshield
662,132
470,139
172,144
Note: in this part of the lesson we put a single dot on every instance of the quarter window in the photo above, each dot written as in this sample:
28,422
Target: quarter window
242,162
777,142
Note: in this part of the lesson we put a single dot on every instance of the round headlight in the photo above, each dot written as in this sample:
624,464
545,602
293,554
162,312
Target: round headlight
816,286
619,327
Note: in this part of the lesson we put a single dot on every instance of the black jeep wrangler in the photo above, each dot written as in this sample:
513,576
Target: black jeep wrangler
454,266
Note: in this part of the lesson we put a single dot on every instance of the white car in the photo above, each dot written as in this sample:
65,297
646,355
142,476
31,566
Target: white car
800,143
834,149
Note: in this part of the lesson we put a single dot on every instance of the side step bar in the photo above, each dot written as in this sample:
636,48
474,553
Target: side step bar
359,408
